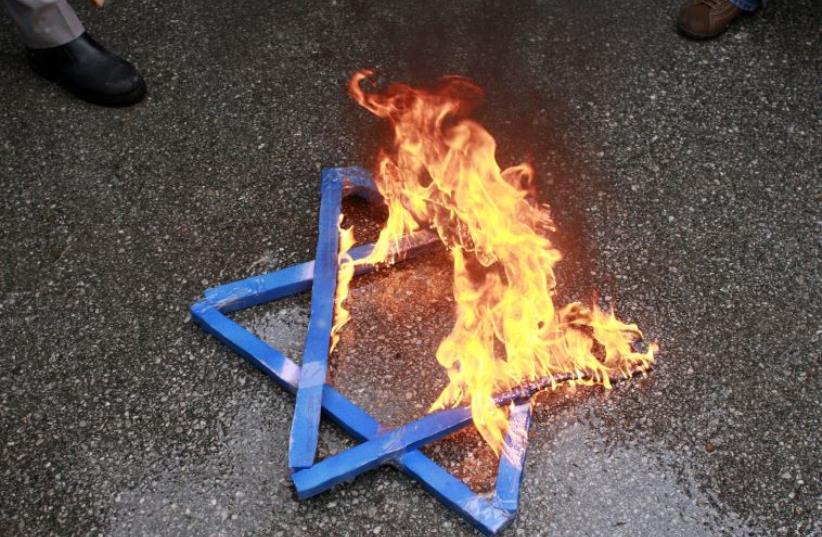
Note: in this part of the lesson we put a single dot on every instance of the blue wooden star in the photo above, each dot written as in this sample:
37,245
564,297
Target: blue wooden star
400,446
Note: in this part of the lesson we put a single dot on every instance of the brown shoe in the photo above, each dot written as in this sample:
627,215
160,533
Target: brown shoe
704,19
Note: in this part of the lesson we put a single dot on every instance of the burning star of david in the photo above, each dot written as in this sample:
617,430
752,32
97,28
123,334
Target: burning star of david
378,446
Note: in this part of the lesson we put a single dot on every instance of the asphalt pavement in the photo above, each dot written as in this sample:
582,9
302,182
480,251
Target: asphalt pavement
684,178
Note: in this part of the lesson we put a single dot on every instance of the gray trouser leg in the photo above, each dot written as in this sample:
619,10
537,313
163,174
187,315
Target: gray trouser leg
44,23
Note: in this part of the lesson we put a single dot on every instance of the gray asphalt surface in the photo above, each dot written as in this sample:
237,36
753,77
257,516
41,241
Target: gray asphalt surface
685,181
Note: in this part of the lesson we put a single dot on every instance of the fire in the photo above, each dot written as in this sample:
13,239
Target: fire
442,173
345,272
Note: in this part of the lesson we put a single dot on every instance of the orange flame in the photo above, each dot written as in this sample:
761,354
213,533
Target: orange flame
442,173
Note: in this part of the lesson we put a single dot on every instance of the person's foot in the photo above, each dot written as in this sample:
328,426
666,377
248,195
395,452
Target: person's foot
704,19
90,72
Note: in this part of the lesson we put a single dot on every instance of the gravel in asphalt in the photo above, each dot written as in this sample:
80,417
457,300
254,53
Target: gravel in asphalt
684,179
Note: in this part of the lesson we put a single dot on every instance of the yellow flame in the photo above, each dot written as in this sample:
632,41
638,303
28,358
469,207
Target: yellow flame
345,272
442,173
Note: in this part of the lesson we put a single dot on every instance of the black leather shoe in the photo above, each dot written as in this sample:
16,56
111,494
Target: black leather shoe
90,72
